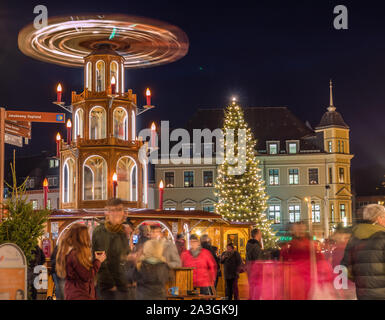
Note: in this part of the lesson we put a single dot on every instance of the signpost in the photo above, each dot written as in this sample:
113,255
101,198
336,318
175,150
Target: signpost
36,116
13,273
17,130
14,140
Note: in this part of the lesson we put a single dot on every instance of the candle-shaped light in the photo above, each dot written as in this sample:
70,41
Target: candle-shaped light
58,138
161,189
113,85
153,134
114,183
148,97
59,91
69,131
45,190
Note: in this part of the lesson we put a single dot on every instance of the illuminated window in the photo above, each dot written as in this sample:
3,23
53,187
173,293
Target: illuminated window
292,147
275,213
120,123
332,213
100,76
208,208
127,179
34,204
188,179
316,213
169,179
68,184
114,73
294,212
341,175
207,178
49,204
189,208
52,181
133,125
273,177
293,176
97,123
342,211
273,148
95,179
170,208
313,176
330,146
78,125
89,76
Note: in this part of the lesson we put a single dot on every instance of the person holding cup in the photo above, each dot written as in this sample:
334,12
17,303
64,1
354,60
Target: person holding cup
76,265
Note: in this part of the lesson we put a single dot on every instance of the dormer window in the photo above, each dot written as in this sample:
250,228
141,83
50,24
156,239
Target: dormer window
273,148
292,147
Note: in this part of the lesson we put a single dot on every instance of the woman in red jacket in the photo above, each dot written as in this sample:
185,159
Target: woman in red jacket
205,266
75,264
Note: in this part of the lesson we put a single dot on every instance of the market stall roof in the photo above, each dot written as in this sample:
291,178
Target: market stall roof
140,213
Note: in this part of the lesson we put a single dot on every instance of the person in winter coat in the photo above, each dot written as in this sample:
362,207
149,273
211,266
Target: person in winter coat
59,282
77,267
231,260
170,251
365,254
112,280
152,272
206,244
254,246
205,266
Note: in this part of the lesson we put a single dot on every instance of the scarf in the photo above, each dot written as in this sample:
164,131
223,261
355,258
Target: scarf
117,228
196,252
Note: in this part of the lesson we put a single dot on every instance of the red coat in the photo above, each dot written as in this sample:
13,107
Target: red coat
79,284
205,271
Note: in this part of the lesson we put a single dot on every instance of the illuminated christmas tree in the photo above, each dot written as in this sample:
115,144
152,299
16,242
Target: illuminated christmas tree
240,188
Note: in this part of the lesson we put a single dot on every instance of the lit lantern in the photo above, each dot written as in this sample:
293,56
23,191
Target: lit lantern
148,97
58,138
161,189
45,190
153,134
69,127
114,183
113,85
59,92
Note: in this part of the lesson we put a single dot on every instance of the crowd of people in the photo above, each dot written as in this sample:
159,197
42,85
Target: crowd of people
110,267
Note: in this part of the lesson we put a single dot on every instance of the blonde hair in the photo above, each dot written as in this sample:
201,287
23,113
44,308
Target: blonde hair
152,249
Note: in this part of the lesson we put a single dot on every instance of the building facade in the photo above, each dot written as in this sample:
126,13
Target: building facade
306,171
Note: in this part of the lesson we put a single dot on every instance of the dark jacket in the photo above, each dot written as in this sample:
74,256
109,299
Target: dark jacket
112,272
79,283
231,262
253,250
365,259
53,260
151,281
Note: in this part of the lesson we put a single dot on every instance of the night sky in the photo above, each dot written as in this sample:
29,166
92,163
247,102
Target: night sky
267,53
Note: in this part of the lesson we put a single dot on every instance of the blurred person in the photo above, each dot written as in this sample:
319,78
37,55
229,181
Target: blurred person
112,282
143,236
180,243
152,272
59,282
170,251
298,252
365,254
76,265
231,261
205,266
206,244
254,252
38,259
